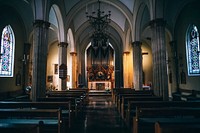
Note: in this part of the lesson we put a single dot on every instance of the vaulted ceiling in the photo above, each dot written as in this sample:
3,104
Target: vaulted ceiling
123,14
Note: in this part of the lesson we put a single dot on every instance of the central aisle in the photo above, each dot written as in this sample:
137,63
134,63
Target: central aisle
99,116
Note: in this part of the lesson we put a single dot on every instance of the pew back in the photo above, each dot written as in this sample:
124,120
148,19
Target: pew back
65,107
146,118
132,105
39,117
177,127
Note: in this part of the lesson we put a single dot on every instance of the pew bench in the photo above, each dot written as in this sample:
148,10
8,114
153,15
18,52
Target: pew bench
130,112
46,120
145,119
127,99
18,128
118,95
65,108
79,95
75,103
116,91
123,98
85,91
177,127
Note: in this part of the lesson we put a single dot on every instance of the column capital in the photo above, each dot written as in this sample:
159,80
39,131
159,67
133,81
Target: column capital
157,22
41,23
136,43
73,53
63,44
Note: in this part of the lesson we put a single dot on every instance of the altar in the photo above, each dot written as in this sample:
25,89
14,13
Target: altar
99,85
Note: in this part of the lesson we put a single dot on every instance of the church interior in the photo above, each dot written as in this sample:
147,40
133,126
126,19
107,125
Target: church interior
112,66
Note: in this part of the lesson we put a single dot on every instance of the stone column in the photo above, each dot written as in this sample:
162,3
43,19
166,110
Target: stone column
125,65
74,74
137,65
63,60
158,45
40,44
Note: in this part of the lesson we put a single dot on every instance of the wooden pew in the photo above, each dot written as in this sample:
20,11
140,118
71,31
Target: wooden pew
65,108
132,105
48,120
127,99
115,91
65,94
121,97
131,91
18,128
146,118
177,127
78,94
85,90
76,104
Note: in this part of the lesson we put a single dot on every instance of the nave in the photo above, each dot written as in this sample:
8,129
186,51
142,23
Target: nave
119,111
99,116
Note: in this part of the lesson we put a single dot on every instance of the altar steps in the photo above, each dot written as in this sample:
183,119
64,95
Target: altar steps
99,93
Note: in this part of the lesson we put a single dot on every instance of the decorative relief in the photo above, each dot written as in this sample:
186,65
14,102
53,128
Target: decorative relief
100,72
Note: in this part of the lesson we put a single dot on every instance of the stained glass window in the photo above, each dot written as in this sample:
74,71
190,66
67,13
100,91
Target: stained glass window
192,51
7,52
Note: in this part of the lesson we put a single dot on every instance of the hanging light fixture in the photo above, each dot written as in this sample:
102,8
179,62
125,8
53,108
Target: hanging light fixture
99,21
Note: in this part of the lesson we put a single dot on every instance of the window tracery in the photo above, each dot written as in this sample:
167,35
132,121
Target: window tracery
7,52
192,51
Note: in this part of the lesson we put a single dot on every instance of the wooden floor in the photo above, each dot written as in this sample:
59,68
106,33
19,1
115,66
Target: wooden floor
99,116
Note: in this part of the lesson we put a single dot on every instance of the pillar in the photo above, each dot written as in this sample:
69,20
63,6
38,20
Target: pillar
158,44
74,74
63,60
40,43
125,65
137,65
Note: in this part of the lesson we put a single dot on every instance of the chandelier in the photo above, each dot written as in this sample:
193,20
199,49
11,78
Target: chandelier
99,21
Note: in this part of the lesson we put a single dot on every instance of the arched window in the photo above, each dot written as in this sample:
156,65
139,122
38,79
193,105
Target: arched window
7,52
192,51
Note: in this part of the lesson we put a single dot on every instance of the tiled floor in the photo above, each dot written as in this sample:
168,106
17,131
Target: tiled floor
99,116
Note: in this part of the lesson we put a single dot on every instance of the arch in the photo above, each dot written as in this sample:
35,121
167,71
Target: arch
83,33
70,40
137,24
38,9
117,4
118,64
61,35
127,40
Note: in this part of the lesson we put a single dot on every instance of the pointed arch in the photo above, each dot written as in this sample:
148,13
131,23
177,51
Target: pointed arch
70,40
60,25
